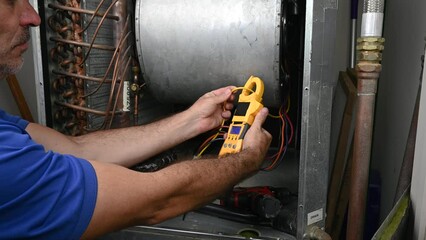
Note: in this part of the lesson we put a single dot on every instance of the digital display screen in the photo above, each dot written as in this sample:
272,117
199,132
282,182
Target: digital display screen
236,130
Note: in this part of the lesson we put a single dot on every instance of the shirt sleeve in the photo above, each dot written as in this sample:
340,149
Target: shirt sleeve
22,123
44,195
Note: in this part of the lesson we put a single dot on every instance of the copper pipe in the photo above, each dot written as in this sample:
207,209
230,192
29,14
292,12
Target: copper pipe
361,156
72,67
368,71
121,28
69,74
83,44
114,56
135,88
119,90
80,108
115,79
96,32
83,11
94,15
370,46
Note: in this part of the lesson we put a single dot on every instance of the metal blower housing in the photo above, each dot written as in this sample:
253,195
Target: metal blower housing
187,47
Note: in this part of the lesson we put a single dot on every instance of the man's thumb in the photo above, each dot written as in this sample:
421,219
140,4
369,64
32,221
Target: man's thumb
260,117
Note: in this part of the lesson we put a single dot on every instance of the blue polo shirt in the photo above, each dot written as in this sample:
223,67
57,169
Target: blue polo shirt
43,195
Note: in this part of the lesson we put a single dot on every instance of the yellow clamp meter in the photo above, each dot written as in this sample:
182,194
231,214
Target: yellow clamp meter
249,104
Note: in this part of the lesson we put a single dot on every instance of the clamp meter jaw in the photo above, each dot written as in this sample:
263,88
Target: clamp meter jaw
249,104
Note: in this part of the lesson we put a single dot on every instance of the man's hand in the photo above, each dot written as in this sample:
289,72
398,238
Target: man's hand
212,108
257,139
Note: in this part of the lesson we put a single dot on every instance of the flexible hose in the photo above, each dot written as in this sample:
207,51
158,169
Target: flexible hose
372,18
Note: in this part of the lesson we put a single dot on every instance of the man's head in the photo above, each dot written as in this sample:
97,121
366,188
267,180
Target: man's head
16,17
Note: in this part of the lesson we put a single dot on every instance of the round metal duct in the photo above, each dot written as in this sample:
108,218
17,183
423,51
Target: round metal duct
189,47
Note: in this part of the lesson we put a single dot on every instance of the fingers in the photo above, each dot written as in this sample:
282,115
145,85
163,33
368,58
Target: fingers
260,118
257,139
258,122
226,114
218,92
221,94
229,105
222,90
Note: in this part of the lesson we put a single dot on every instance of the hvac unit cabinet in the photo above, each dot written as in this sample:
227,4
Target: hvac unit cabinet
121,63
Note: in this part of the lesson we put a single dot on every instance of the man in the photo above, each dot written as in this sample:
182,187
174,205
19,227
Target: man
57,187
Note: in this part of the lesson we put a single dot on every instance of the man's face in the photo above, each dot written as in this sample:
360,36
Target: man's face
16,16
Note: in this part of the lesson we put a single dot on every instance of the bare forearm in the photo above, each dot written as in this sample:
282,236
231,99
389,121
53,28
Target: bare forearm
202,181
129,146
125,146
149,198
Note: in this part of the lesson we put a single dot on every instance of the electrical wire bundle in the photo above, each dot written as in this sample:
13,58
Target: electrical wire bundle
219,136
286,137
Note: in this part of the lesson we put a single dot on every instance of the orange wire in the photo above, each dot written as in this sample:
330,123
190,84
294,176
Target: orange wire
274,162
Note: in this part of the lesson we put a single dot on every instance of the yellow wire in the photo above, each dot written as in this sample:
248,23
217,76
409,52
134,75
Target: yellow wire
205,148
288,109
